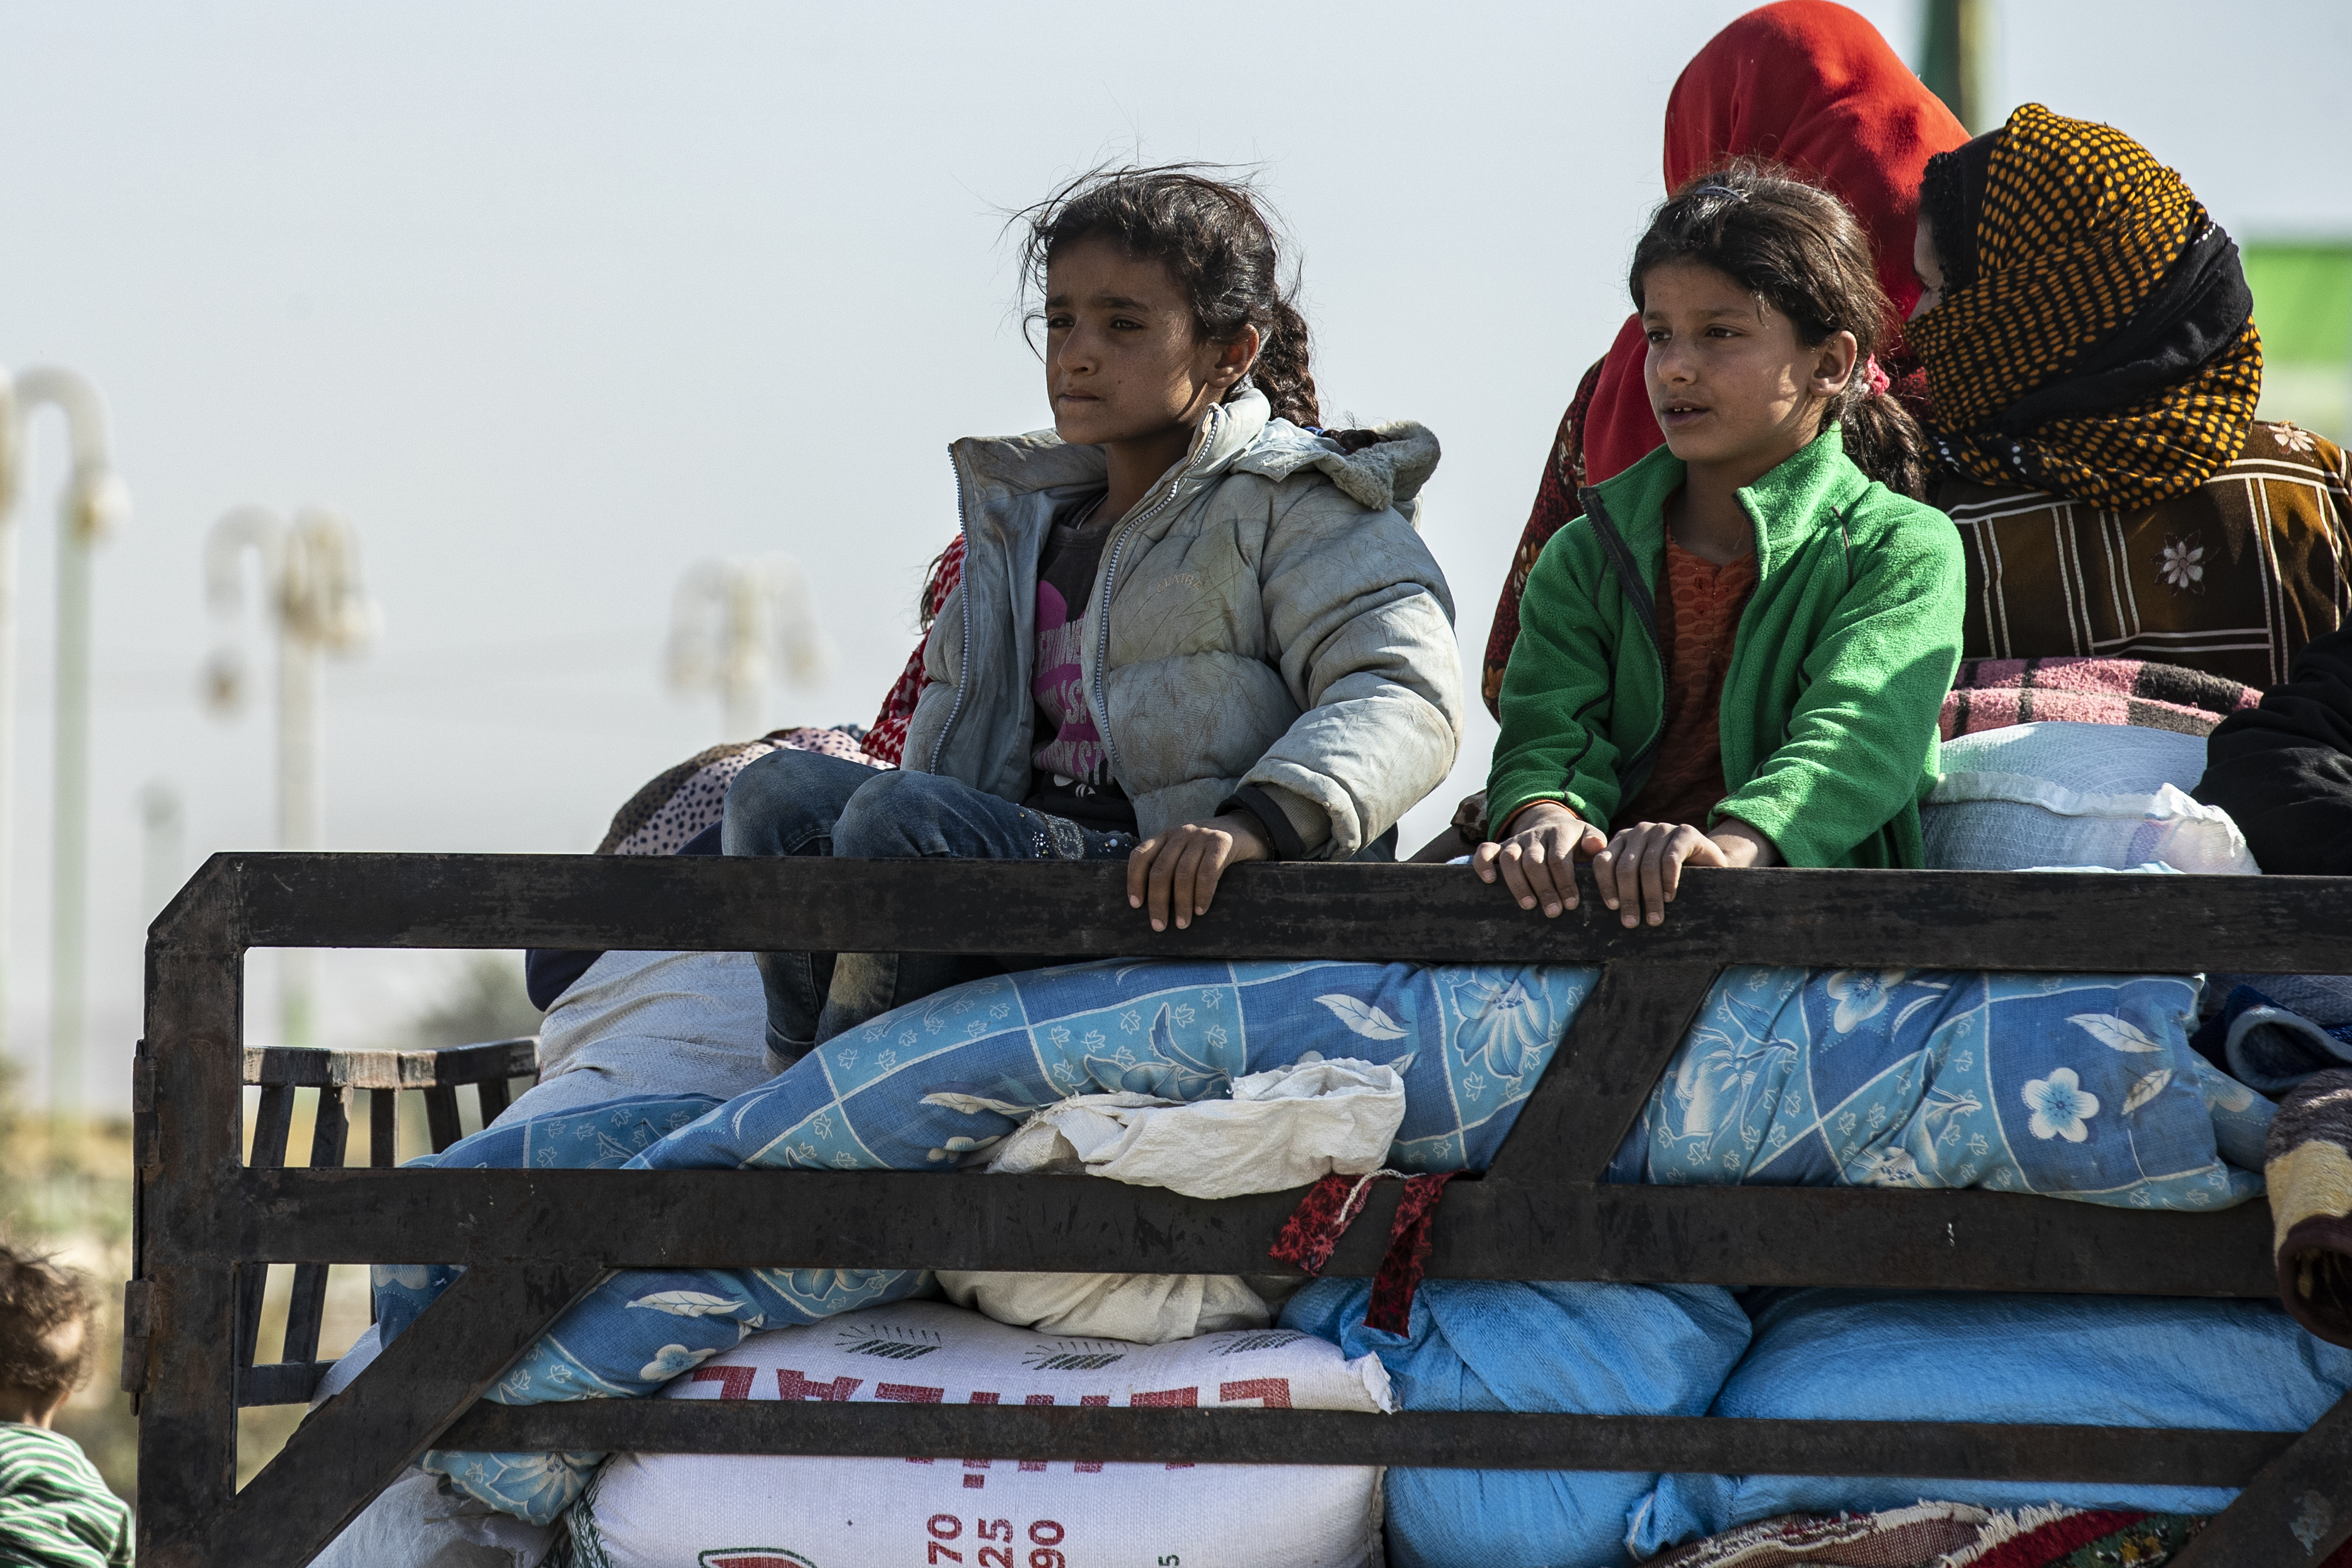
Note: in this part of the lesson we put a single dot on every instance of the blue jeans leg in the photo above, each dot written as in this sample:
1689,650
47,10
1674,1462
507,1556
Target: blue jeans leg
787,804
902,816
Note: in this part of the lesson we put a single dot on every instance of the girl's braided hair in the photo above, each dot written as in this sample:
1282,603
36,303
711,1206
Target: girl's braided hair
1798,249
1218,241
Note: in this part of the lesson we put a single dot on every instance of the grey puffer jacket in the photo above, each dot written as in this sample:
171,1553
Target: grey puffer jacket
1265,625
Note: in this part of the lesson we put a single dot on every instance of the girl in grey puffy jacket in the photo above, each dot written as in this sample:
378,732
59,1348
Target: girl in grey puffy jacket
1192,629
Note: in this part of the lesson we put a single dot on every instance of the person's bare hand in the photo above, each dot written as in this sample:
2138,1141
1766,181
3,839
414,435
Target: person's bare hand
1537,860
1180,868
1641,869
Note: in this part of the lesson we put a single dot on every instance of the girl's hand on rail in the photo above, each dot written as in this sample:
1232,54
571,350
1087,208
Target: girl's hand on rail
1538,858
1180,868
1640,869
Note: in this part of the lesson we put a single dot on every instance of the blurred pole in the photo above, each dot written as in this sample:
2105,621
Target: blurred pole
1958,57
730,623
164,822
297,810
310,582
69,839
94,504
11,478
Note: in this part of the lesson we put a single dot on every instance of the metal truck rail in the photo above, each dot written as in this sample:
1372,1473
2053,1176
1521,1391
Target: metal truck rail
533,1242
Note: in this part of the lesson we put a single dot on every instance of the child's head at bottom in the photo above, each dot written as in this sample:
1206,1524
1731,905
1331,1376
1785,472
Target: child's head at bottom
44,1337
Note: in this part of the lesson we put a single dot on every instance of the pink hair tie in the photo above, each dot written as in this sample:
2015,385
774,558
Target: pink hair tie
1877,378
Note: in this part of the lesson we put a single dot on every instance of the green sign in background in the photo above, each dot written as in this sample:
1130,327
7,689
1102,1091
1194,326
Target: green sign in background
2303,302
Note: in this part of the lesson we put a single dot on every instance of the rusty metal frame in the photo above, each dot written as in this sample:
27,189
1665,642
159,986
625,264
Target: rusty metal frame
206,1221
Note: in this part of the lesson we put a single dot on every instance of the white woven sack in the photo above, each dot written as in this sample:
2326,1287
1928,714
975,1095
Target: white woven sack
2030,797
1144,1308
666,1510
2089,759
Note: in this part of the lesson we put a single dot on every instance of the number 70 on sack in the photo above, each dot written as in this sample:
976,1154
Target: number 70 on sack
1045,1536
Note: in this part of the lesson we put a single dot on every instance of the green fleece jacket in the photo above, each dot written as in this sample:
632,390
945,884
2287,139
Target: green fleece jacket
1841,663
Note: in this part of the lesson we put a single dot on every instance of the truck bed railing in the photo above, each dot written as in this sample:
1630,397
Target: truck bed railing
535,1241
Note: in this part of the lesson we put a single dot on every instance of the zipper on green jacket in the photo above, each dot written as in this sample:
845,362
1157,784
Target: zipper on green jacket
1636,770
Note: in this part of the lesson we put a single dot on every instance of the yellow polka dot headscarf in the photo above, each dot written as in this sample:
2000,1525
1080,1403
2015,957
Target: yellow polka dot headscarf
2104,347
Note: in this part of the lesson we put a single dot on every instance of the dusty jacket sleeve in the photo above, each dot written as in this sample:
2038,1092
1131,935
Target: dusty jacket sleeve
1559,695
1862,736
2283,771
1361,623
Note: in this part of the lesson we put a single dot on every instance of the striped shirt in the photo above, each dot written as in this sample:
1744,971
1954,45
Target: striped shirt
55,1508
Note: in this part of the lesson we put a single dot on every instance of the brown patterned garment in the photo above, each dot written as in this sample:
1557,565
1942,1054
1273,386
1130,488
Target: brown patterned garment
2232,578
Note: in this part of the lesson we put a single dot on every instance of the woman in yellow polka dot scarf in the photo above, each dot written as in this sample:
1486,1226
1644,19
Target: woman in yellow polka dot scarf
2086,327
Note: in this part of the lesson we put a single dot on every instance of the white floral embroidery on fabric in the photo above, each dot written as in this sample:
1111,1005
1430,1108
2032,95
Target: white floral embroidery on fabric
2182,563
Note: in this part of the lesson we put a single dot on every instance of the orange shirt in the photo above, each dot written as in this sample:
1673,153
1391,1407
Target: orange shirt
1698,617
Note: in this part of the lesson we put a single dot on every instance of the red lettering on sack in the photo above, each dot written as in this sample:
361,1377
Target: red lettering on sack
734,1381
790,1385
1273,1393
1185,1397
908,1393
939,1551
974,1483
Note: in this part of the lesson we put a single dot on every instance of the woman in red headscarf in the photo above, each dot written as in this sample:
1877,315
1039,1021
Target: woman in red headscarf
1806,83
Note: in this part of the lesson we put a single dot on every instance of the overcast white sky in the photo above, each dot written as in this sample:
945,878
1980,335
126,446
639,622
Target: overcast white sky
557,300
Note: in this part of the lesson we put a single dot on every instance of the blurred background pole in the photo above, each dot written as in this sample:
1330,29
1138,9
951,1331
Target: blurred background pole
731,622
93,505
162,821
1958,61
310,582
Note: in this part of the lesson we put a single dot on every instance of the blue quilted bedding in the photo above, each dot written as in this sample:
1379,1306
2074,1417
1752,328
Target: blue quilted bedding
2078,1086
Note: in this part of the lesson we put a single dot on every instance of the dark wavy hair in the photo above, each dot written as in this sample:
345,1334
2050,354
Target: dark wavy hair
1796,247
37,1300
1218,240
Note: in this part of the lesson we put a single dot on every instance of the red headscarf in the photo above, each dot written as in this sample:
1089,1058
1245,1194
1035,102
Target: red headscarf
1813,85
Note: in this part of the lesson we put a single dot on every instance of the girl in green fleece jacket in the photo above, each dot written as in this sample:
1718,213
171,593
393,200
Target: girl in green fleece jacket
1736,656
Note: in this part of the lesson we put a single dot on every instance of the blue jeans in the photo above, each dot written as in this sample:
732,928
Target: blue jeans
801,803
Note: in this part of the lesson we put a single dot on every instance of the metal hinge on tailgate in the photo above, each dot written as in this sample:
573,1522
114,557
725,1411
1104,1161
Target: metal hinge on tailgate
139,1292
138,1320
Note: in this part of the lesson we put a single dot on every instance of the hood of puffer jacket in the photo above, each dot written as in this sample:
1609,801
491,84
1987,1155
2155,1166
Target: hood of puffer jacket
1316,637
1238,437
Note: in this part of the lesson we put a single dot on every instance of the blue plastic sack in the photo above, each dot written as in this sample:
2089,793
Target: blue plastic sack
1582,1347
1885,1355
2077,1086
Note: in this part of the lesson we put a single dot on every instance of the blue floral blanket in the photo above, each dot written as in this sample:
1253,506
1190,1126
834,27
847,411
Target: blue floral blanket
2078,1086
920,1088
